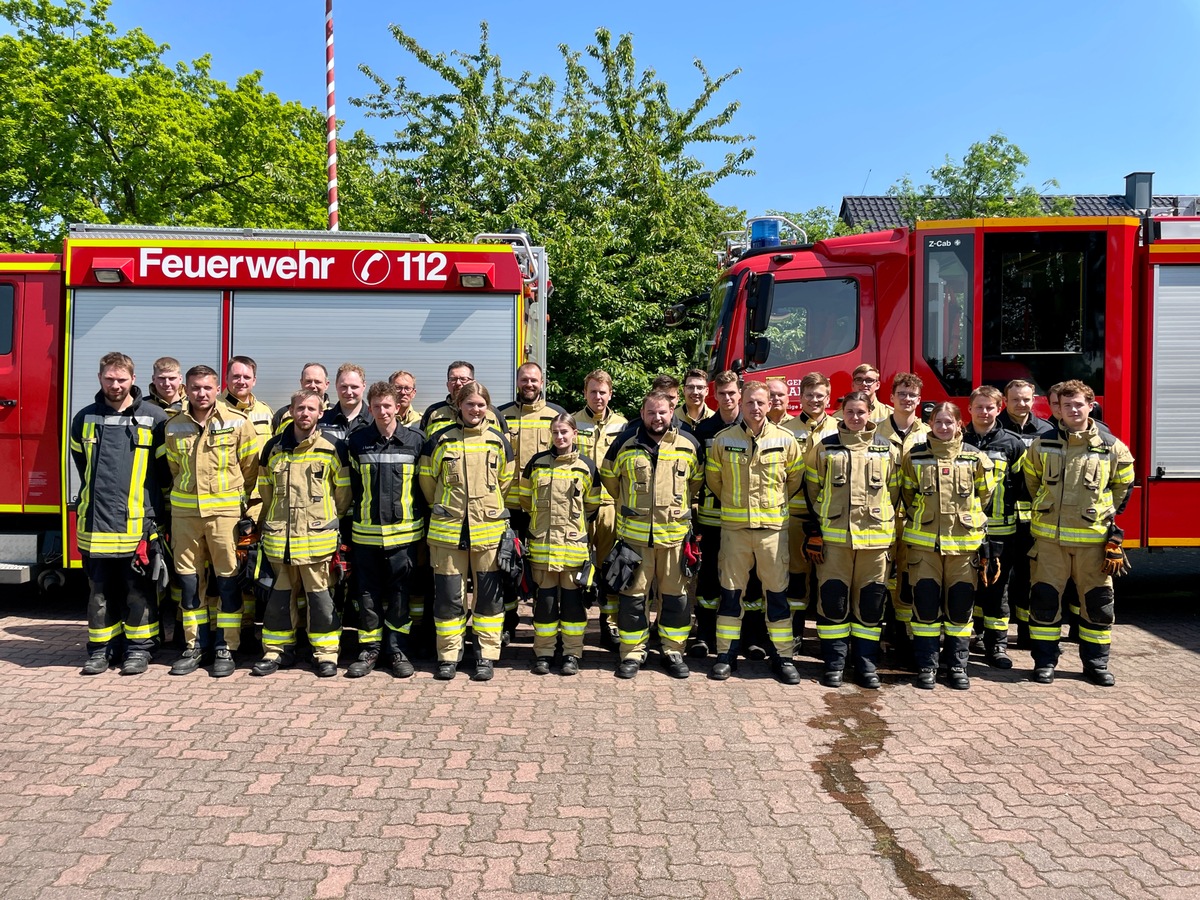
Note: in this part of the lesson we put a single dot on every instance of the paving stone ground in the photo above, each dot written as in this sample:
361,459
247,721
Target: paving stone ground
294,787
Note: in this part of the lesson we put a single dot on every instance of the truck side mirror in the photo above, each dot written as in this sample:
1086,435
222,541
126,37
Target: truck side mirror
760,350
761,298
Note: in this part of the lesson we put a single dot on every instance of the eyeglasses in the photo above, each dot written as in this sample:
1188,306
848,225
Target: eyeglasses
401,389
863,379
908,395
458,379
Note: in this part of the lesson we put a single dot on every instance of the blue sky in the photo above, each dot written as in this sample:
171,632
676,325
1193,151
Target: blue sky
838,95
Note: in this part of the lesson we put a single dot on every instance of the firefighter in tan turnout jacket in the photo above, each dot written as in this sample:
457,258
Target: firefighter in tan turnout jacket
852,482
1079,479
212,451
753,469
305,492
654,472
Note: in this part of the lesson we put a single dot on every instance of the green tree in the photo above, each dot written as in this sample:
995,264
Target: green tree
96,127
600,167
984,184
818,223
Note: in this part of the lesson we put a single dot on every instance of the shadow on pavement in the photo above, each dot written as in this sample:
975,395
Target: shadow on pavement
1162,596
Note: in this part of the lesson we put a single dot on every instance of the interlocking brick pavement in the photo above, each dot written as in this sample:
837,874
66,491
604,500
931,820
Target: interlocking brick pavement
291,787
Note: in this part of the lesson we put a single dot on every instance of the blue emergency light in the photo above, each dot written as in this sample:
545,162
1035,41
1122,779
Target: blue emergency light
764,233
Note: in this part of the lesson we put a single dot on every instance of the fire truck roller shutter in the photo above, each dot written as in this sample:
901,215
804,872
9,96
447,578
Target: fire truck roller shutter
1175,433
382,332
144,325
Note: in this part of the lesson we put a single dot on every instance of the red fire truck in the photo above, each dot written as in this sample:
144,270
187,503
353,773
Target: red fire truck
384,301
1113,301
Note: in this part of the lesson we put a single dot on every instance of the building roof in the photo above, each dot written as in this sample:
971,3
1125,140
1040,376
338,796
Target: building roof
879,213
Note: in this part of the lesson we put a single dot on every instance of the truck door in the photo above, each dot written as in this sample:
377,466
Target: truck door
13,481
819,319
946,345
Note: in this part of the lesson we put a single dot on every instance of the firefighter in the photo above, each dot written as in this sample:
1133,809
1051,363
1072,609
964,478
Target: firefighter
708,517
350,413
305,492
901,427
1080,479
945,487
166,385
808,427
528,420
559,491
212,451
405,384
599,425
1005,450
653,472
778,413
852,483
753,470
166,392
1017,417
241,375
466,471
695,389
444,413
388,516
420,636
865,378
313,377
114,442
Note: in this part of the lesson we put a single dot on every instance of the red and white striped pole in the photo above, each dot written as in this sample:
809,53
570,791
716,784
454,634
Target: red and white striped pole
331,113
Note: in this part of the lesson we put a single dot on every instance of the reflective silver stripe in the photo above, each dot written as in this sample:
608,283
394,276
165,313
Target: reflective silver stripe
772,443
144,421
389,456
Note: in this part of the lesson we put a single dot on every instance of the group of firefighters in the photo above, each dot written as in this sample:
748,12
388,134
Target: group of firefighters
726,527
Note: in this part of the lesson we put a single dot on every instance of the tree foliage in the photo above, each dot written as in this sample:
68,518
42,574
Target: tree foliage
601,167
984,184
96,127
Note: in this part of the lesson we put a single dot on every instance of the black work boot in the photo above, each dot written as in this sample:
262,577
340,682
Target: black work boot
785,670
834,651
484,670
927,678
402,667
996,649
541,665
187,663
223,665
136,662
364,665
674,665
866,662
1100,676
97,663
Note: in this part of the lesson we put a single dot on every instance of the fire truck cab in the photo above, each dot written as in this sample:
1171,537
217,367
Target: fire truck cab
1113,301
285,298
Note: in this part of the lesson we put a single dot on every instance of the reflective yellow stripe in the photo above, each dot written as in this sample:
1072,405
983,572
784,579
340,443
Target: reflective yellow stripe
834,632
1095,635
104,635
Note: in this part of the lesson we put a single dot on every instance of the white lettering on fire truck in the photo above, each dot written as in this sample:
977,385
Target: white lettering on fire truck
217,266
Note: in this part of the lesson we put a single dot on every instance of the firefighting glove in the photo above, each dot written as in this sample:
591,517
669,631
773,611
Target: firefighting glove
245,533
619,567
1115,561
510,557
691,555
339,565
814,544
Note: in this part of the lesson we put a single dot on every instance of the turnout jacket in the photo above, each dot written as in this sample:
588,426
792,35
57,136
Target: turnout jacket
389,508
464,474
560,491
752,477
1006,451
1079,482
1032,428
852,484
305,491
214,466
337,426
151,396
255,410
807,431
443,414
121,487
653,485
596,436
945,487
708,509
528,431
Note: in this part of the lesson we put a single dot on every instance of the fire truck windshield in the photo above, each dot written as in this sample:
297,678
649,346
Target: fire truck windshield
714,338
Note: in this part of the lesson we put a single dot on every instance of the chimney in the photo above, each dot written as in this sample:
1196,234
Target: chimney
1139,192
